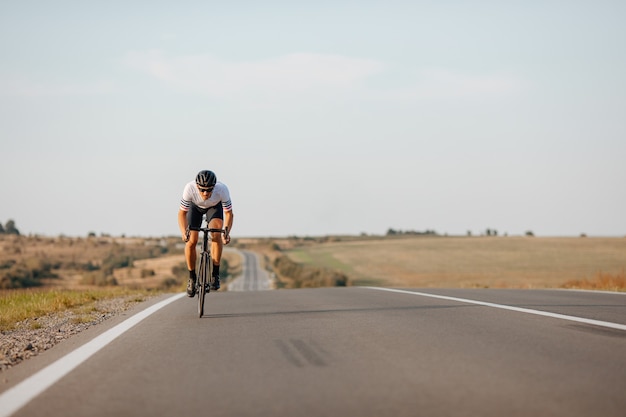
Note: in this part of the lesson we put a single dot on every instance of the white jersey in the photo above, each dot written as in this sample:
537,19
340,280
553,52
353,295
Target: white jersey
192,195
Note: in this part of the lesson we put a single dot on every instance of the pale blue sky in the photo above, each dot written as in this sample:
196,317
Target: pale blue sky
326,117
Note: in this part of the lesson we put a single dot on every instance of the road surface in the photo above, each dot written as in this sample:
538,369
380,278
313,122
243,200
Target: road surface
253,277
342,352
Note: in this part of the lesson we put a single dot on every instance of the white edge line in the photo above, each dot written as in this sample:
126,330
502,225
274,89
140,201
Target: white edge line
505,307
18,396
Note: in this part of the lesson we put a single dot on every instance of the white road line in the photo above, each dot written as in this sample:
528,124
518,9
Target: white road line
18,396
505,307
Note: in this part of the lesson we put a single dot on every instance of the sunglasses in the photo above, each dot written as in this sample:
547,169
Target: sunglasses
205,190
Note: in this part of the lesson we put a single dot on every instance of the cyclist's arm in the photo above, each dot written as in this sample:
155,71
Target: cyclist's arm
228,224
182,224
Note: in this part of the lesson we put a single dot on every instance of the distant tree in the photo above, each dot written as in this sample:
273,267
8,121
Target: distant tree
392,232
91,234
9,228
1,229
530,233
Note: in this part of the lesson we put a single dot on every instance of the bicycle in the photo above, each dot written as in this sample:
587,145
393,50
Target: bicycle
205,272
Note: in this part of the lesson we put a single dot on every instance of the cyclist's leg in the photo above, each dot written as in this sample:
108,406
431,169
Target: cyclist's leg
194,220
190,250
215,217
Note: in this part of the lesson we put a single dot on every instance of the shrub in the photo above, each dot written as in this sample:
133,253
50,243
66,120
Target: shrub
26,273
18,277
7,263
114,261
169,282
180,269
98,278
145,273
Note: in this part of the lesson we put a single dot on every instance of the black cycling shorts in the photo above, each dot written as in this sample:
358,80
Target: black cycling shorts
194,215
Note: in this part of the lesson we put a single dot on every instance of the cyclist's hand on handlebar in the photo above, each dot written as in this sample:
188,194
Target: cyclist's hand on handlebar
185,236
226,238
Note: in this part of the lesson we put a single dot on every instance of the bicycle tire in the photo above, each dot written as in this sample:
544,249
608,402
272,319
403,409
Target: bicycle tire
202,279
210,279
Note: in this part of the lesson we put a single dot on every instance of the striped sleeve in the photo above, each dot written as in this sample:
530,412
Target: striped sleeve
185,201
227,205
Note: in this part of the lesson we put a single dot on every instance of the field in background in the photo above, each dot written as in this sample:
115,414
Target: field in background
468,262
392,261
152,272
398,261
84,263
51,275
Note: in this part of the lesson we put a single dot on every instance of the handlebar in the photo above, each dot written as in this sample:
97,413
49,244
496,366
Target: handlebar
205,230
211,230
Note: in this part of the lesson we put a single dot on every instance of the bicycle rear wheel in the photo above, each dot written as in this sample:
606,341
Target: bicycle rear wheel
202,280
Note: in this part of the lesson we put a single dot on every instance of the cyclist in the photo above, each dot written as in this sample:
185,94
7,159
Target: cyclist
205,196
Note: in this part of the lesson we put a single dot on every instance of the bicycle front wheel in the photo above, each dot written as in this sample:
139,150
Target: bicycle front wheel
202,280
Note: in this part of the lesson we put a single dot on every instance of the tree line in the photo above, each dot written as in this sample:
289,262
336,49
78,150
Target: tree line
9,228
394,232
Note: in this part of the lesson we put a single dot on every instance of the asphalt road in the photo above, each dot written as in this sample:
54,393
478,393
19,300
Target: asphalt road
352,352
253,277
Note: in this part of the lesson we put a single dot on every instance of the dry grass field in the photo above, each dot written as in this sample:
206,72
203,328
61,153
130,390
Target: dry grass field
471,262
82,263
44,276
61,264
398,261
150,273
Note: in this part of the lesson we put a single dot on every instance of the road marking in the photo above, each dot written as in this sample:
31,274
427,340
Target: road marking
18,396
505,307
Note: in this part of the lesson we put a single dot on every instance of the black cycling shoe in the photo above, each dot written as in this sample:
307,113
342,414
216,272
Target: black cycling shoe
191,287
215,284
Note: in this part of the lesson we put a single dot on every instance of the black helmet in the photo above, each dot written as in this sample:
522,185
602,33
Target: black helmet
206,179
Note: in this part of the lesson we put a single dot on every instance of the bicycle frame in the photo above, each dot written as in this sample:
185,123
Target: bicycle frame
206,267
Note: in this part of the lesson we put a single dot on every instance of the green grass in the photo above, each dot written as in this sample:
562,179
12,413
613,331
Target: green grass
321,258
20,305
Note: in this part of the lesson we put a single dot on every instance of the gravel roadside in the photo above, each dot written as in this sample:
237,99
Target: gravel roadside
30,337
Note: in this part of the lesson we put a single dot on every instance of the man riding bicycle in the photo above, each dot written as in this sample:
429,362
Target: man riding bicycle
205,196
